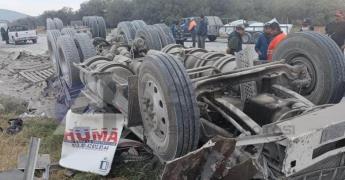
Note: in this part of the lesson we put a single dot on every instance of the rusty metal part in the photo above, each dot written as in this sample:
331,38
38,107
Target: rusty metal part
215,160
227,117
254,127
219,81
287,93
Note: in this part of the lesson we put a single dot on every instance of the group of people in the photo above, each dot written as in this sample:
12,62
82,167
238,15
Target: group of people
197,29
266,44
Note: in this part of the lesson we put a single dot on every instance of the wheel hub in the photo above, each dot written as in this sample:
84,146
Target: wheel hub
154,113
309,78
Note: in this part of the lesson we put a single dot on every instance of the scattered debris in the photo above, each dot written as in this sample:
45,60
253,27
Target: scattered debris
133,151
213,161
16,125
38,74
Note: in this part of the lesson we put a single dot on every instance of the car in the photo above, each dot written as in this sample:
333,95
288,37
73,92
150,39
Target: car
19,34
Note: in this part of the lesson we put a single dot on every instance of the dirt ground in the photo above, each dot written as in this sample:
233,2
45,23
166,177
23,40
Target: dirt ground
16,58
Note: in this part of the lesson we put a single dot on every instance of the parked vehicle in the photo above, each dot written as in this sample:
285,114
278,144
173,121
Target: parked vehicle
253,29
214,25
19,34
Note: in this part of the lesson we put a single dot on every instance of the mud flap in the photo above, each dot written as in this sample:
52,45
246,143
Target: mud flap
215,160
90,141
134,115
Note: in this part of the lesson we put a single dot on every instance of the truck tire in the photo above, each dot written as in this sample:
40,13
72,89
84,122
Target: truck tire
50,24
324,61
168,33
34,41
102,27
69,32
162,36
58,23
246,38
127,31
165,88
212,38
68,54
150,36
85,47
94,26
256,37
52,37
137,24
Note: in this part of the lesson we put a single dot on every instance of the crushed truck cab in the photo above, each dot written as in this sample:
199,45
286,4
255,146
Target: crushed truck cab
176,98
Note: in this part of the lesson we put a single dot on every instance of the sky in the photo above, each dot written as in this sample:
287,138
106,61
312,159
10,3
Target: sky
37,7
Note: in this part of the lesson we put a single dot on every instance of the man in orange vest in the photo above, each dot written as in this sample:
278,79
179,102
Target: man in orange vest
277,37
192,30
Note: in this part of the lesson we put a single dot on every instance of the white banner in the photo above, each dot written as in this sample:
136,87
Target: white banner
90,141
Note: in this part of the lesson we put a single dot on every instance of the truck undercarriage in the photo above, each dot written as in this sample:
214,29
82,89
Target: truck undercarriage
278,115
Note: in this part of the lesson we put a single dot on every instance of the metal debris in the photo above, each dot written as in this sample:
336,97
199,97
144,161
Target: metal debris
29,171
213,161
16,125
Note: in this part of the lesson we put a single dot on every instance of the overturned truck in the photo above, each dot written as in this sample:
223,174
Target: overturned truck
278,116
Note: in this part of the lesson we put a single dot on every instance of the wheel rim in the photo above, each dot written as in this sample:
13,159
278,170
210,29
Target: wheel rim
245,38
155,114
306,62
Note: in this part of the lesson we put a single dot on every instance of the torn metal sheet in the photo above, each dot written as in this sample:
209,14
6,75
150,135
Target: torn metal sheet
311,139
90,141
215,160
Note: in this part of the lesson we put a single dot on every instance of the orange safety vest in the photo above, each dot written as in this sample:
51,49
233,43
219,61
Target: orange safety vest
192,25
274,44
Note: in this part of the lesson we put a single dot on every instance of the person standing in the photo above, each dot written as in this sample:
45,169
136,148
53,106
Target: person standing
336,29
178,33
277,36
264,40
202,32
235,40
307,25
192,29
4,35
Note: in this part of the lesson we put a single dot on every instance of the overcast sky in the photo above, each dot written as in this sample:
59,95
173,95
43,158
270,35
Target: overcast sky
36,7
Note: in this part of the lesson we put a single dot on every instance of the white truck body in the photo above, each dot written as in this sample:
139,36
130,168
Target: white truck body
21,34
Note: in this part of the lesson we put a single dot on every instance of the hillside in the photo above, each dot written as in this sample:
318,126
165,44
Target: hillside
11,15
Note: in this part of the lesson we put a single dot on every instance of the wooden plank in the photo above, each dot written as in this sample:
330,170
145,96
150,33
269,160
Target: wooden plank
30,74
27,77
46,73
41,74
37,76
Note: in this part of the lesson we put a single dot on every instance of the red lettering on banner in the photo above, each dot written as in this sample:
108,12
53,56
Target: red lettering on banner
100,136
113,137
69,136
86,133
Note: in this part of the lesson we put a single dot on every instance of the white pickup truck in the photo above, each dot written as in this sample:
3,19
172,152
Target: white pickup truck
19,34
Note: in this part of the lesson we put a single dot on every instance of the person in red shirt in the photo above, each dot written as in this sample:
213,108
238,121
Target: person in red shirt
277,37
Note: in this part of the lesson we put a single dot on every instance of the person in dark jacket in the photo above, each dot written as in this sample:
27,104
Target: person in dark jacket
4,35
235,40
264,40
178,33
336,29
202,32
